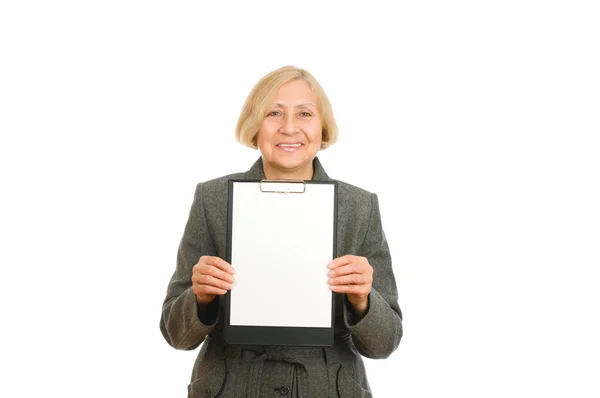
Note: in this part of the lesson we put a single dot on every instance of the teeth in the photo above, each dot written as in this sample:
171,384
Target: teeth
290,145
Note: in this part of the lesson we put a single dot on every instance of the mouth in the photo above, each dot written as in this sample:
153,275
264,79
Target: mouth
289,146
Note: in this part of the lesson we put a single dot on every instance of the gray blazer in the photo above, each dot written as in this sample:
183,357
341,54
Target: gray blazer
235,371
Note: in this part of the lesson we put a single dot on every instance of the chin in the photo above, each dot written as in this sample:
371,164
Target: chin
289,161
290,165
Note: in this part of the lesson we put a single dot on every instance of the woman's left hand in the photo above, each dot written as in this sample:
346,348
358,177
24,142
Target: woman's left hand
352,275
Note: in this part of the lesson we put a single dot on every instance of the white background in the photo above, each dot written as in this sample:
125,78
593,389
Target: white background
475,122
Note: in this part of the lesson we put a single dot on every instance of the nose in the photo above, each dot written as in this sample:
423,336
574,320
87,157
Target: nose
289,124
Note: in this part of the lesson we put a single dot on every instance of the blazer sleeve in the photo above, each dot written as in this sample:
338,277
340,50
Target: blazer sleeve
182,324
378,333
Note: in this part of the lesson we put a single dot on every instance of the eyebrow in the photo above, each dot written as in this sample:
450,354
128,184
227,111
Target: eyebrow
297,106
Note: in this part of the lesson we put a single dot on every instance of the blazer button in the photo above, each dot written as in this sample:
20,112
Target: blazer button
284,391
207,392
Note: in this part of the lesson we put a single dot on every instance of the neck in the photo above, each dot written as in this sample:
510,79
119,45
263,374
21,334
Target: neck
274,173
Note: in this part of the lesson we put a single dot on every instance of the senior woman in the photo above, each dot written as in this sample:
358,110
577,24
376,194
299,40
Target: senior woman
288,118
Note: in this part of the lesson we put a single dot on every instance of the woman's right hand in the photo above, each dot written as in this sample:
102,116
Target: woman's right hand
210,277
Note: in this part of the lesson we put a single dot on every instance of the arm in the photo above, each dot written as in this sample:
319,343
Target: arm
184,323
377,333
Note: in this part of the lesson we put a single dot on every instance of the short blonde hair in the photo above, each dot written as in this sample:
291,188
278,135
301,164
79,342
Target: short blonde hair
264,92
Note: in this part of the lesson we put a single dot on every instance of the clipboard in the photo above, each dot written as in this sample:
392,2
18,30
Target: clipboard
281,234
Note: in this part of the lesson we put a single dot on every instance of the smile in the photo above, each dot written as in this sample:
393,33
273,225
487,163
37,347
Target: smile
289,147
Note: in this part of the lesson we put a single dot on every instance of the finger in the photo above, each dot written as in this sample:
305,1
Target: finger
338,262
219,274
351,279
207,290
219,263
209,280
350,268
360,290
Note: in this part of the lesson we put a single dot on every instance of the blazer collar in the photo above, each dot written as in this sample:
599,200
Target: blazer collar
256,172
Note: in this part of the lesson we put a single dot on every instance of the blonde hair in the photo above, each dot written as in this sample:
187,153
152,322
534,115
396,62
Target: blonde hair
264,92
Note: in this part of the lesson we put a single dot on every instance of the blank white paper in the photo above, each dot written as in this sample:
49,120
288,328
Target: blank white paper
281,245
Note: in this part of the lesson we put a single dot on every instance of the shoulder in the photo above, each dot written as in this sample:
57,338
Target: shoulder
354,195
213,193
216,186
355,204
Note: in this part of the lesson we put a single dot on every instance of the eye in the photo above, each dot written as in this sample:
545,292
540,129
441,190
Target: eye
305,114
274,113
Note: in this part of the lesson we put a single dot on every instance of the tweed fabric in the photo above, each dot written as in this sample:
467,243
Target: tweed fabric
223,370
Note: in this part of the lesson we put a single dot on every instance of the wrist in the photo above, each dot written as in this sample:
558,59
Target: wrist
204,300
360,308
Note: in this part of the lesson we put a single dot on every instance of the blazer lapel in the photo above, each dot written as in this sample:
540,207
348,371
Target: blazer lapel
319,172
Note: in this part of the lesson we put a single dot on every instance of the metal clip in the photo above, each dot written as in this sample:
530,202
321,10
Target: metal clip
283,186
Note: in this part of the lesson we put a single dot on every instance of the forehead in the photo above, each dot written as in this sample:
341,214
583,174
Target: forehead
294,92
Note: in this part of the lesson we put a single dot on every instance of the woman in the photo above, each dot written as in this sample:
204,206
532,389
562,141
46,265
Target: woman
288,118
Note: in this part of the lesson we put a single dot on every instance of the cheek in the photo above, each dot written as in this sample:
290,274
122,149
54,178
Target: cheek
263,132
268,129
266,137
316,132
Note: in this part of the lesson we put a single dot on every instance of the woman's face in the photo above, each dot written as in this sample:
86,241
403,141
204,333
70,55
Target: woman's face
290,133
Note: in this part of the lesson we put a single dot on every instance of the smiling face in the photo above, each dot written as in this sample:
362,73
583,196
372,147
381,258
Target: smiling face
290,133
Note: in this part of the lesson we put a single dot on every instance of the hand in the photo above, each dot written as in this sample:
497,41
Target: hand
210,277
352,275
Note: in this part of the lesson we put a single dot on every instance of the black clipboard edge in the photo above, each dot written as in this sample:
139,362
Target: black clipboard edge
278,336
262,335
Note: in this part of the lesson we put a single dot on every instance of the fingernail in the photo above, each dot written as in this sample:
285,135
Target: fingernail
331,273
330,265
